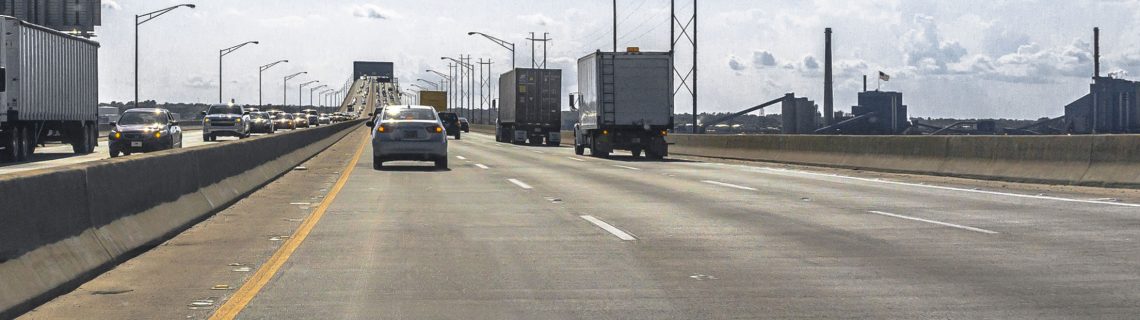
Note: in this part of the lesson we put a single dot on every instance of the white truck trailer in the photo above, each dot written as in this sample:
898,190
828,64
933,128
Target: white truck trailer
49,85
625,102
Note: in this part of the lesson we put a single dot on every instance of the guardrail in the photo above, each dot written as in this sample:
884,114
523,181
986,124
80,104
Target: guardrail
61,227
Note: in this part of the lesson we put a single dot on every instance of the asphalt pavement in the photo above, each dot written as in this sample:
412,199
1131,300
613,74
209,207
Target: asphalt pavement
519,232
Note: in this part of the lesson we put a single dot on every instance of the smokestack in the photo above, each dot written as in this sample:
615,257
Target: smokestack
864,83
828,103
1096,52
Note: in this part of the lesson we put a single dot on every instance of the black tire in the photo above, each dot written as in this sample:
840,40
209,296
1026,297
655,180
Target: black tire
94,136
377,163
579,150
11,143
653,156
114,152
595,152
457,136
441,163
23,145
81,140
636,152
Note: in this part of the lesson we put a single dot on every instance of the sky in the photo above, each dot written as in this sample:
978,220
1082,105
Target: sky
1021,59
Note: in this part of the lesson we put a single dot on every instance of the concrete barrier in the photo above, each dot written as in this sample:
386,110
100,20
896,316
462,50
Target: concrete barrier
1111,161
61,227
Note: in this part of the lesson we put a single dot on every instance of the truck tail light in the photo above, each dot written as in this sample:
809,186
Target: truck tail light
664,133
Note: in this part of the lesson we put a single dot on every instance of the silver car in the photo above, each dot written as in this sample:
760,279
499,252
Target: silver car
411,133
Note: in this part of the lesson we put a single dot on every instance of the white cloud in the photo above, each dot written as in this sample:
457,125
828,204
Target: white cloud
200,82
735,64
371,11
924,48
763,59
111,5
537,19
810,63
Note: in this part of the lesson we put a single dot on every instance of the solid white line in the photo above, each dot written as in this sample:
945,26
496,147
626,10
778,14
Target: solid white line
934,222
959,189
539,152
729,185
520,184
460,158
481,166
575,159
609,228
626,167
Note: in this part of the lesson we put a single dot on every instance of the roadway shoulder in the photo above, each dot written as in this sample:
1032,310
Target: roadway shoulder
190,275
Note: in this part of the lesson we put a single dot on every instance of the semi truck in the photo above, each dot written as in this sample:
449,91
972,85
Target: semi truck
529,107
625,102
435,99
49,85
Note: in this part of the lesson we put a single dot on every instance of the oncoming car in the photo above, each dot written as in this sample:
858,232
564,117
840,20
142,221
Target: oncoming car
225,120
410,133
144,130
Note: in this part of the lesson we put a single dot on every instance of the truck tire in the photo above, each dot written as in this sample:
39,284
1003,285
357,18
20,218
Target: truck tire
456,136
637,152
595,151
80,139
579,149
94,136
653,156
23,144
11,142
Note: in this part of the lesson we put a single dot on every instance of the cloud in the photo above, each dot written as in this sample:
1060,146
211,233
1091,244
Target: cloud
810,63
537,19
371,11
200,82
735,64
1030,64
763,59
111,5
924,48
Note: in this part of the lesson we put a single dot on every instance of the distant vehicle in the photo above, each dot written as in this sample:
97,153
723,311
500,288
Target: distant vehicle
225,120
625,102
450,122
261,122
144,130
301,120
530,108
464,125
313,117
284,121
436,99
412,133
49,82
324,119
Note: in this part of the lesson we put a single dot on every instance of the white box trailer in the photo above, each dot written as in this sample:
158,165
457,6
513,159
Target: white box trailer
49,89
625,101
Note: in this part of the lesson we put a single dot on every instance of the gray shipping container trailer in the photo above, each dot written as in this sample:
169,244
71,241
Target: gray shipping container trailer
50,89
625,102
529,106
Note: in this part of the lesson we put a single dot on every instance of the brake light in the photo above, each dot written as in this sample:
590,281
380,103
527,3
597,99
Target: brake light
664,133
436,129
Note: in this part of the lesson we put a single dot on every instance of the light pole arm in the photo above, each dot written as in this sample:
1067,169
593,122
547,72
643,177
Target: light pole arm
500,42
158,13
229,50
266,67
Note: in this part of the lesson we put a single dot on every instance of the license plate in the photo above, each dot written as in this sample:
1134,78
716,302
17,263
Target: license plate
635,140
410,134
537,129
136,143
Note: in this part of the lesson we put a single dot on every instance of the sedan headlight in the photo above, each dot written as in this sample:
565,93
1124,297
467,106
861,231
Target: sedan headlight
238,120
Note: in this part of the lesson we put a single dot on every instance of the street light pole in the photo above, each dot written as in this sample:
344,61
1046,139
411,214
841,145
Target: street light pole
301,90
148,17
433,84
222,53
314,89
500,42
285,88
261,70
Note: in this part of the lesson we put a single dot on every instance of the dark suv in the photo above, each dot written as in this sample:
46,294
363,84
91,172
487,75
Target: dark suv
450,123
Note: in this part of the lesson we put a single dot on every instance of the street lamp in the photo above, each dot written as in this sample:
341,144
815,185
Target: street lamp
500,42
301,90
470,71
323,99
420,87
223,53
147,17
433,84
314,89
261,70
285,88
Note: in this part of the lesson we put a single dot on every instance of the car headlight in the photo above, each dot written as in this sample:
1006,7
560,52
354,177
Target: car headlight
206,120
238,120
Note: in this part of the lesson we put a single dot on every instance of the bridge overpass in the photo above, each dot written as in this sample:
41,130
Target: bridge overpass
513,231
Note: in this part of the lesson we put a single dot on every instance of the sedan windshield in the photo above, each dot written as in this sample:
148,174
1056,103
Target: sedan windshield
224,110
259,115
409,114
136,118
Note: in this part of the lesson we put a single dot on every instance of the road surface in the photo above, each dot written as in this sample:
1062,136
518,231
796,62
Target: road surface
515,232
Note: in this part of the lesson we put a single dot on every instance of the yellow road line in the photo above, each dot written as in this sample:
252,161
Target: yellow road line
251,288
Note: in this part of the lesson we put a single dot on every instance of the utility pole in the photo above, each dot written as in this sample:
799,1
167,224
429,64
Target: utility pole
533,62
484,100
691,85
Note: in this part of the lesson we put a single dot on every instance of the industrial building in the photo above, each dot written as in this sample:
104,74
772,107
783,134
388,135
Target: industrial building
1110,107
77,16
